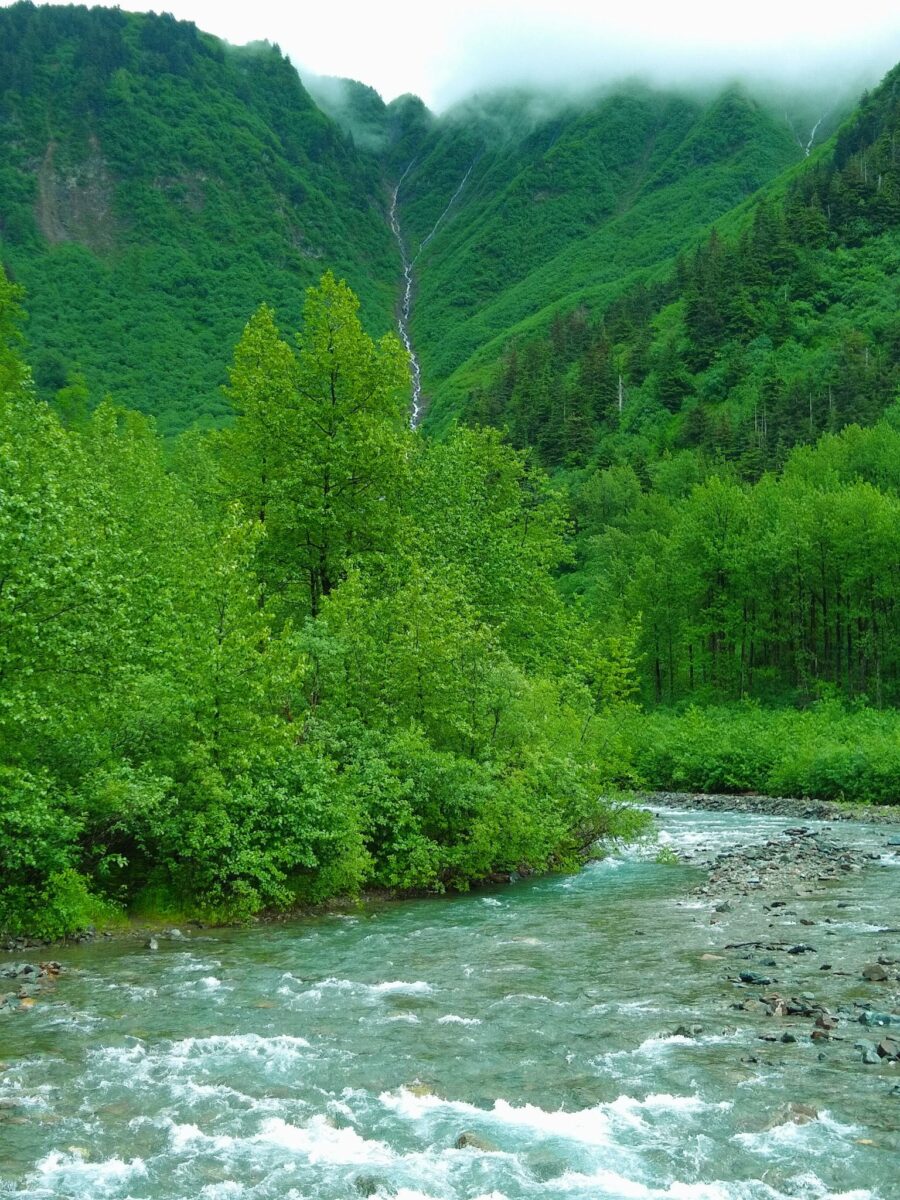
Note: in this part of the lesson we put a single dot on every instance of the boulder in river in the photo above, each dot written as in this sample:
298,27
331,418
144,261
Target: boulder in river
473,1141
870,1055
797,1114
367,1185
875,973
871,1016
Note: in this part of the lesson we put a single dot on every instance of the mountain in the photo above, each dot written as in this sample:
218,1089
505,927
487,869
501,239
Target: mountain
781,325
156,185
517,205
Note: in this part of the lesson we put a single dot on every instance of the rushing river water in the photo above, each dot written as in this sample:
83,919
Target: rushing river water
346,1055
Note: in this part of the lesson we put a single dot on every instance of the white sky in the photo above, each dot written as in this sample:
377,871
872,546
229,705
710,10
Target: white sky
442,52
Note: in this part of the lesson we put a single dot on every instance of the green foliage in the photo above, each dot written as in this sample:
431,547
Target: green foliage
156,185
564,205
315,453
782,589
826,752
286,661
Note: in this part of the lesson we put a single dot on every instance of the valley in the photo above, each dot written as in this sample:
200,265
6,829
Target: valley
430,544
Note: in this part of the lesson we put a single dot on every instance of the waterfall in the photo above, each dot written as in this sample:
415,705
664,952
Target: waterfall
403,317
415,414
453,199
812,136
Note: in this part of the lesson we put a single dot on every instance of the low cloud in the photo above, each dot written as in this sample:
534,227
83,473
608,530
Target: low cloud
581,46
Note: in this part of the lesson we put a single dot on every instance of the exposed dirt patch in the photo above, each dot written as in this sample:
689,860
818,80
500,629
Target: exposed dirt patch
75,203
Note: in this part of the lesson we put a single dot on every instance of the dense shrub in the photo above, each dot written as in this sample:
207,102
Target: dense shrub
826,751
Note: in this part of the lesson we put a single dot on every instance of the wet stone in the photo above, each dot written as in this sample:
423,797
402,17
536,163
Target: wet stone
875,973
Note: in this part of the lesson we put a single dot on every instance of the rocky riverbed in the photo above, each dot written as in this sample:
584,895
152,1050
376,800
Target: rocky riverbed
775,908
776,806
21,983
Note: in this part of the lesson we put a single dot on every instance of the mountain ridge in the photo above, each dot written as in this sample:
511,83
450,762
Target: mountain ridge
159,184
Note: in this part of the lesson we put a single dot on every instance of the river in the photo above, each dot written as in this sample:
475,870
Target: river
349,1054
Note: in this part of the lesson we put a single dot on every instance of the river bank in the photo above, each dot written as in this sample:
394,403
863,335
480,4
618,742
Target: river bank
151,931
772,910
774,806
692,1017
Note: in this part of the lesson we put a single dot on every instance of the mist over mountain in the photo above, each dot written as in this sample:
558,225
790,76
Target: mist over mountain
157,184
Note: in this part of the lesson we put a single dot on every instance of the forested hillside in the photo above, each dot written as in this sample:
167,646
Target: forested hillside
758,569
517,205
156,185
778,327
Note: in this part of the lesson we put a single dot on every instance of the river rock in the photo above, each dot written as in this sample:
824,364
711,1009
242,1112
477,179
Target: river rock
367,1185
797,1114
756,980
875,973
473,1141
869,1051
889,1049
871,1016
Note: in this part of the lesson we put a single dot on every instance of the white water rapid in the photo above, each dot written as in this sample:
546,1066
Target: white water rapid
415,415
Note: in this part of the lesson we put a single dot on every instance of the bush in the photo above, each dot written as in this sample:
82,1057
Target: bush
828,752
287,833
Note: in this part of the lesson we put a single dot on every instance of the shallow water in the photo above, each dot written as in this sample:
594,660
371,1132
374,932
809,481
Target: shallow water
345,1055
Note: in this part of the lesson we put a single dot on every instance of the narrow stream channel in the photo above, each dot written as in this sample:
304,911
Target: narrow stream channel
405,312
406,298
497,1046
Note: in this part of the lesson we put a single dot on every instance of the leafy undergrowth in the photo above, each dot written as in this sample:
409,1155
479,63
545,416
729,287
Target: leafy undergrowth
827,751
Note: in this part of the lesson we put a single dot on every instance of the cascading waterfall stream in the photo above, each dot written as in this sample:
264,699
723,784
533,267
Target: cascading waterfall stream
406,306
453,199
403,317
812,136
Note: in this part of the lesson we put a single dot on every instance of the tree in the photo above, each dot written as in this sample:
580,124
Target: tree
318,449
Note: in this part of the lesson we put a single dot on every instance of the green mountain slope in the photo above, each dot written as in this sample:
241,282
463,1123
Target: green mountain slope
563,214
156,185
781,325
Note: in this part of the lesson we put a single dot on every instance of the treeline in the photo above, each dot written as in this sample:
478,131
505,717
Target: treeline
759,340
785,589
309,654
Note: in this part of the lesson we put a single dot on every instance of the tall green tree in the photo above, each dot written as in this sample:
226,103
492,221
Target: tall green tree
319,446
